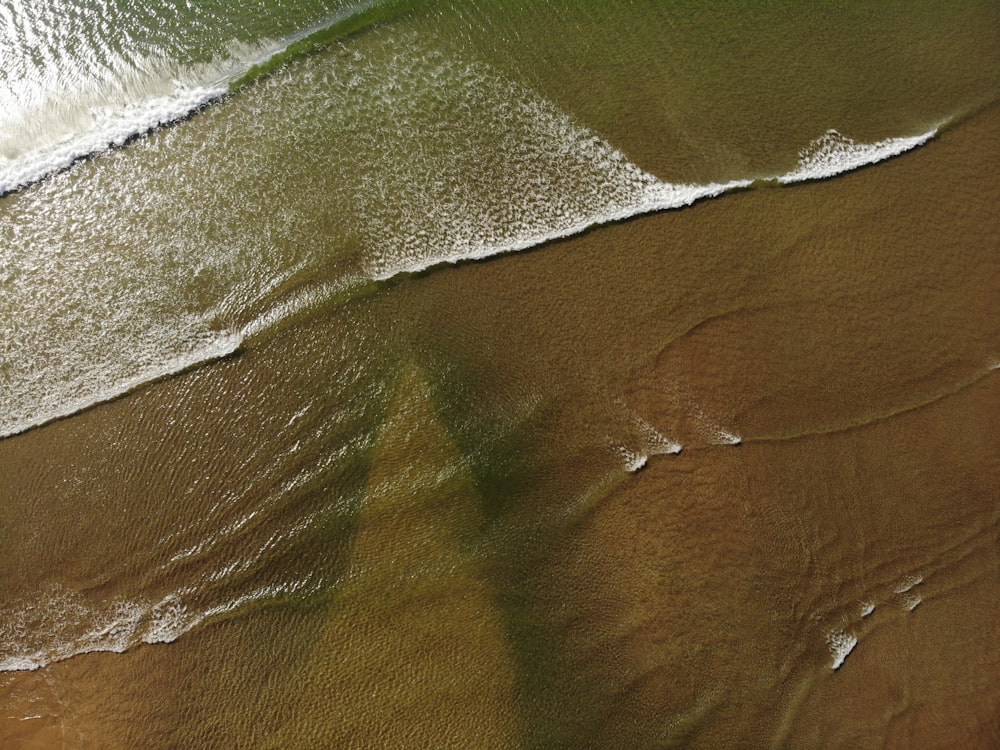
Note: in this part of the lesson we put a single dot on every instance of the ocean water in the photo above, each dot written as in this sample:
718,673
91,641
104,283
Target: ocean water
494,373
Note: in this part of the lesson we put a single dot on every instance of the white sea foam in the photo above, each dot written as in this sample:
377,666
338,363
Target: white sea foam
61,625
841,644
834,153
91,390
866,608
657,443
634,460
907,583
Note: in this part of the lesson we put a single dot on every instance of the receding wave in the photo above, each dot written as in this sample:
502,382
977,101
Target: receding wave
60,625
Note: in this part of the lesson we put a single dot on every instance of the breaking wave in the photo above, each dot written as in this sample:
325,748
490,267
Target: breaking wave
79,116
834,153
109,274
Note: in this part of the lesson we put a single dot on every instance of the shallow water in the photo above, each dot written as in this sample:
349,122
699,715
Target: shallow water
397,394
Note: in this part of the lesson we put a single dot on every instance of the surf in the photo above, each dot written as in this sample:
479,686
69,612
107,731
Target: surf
540,176
828,156
56,116
834,154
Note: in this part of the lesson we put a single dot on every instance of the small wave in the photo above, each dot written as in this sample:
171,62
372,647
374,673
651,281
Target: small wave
907,584
300,303
343,25
657,444
904,590
645,443
57,407
841,644
62,625
833,153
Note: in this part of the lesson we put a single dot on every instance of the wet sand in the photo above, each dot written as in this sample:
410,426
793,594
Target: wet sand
845,332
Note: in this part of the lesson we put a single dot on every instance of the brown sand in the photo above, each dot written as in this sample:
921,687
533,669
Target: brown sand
847,331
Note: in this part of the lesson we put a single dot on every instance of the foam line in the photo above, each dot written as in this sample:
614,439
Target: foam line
833,154
222,346
830,155
660,197
63,625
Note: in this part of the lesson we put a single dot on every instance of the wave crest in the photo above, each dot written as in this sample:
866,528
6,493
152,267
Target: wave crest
834,153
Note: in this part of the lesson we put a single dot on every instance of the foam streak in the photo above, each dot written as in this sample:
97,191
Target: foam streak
49,411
